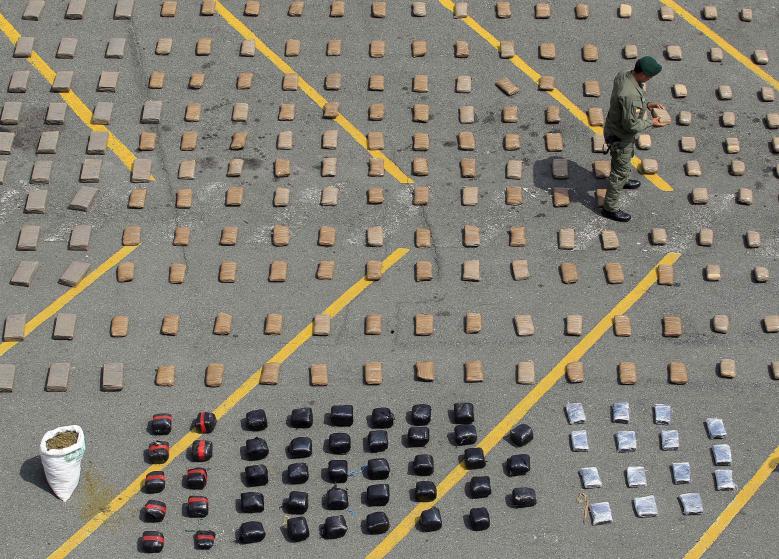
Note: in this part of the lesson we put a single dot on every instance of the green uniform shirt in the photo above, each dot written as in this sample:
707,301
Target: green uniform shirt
628,113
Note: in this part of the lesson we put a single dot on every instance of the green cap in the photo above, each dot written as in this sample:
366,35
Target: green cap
649,66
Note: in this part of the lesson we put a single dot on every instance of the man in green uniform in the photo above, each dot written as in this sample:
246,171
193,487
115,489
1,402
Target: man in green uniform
629,115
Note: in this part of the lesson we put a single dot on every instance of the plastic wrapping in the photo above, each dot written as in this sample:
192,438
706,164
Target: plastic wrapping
256,474
301,418
256,420
463,413
521,434
620,412
204,539
201,451
635,476
465,434
158,452
338,443
600,513
334,527
479,519
430,520
626,441
256,449
423,465
152,542
342,415
417,436
377,495
425,491
196,478
197,506
473,458
721,454
297,473
376,523
382,418
523,497
161,424
691,503
662,414
154,482
681,472
336,498
420,414
645,506
378,441
337,471
518,465
715,428
590,478
480,487
296,502
205,422
251,501
251,532
575,413
579,442
154,511
300,447
723,480
669,439
378,468
297,528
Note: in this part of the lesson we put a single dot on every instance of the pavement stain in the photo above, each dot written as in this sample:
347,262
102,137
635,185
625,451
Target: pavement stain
96,493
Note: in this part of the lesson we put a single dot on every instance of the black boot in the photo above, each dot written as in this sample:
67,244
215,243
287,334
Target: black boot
617,215
632,184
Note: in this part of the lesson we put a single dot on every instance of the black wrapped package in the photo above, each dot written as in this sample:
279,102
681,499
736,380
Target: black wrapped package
201,451
339,443
377,495
161,424
479,519
256,449
378,468
518,465
333,527
301,418
152,542
256,474
300,447
205,539
155,482
297,473
296,503
521,434
430,520
337,471
336,498
382,418
342,415
463,412
196,478
297,528
158,452
420,414
154,511
425,491
251,501
522,497
417,436
205,422
256,420
197,506
473,458
422,465
378,441
480,487
376,523
465,434
251,532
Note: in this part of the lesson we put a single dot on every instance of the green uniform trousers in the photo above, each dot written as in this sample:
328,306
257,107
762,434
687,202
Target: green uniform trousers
621,154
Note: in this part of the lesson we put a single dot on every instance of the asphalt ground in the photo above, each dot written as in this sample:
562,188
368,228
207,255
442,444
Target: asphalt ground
115,423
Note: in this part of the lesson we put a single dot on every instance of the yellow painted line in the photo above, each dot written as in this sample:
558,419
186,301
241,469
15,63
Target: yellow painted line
743,59
56,305
734,507
523,407
308,89
73,101
556,94
239,394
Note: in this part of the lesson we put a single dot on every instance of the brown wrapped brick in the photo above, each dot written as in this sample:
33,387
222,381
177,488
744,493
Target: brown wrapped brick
318,374
119,326
474,371
372,373
125,272
214,374
425,371
170,325
273,323
270,373
627,372
574,372
622,327
423,325
223,324
677,373
227,271
166,375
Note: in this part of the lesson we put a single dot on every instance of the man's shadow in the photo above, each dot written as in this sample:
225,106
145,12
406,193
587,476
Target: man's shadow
580,182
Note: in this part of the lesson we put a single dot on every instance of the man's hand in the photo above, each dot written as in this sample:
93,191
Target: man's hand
657,123
655,106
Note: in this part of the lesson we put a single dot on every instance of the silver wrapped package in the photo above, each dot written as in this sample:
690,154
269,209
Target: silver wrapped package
715,428
681,472
669,439
600,513
590,478
575,413
723,480
626,441
620,412
635,476
579,441
662,414
645,506
722,455
691,503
